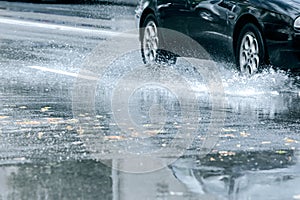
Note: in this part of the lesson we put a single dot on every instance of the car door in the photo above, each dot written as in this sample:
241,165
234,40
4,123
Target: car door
208,24
173,14
207,17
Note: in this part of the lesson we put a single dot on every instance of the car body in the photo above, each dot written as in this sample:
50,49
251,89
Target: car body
218,24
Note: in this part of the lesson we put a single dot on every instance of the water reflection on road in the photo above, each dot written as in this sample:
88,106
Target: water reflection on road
243,175
43,154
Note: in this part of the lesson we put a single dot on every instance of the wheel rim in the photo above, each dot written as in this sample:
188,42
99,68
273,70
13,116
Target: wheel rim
150,42
249,54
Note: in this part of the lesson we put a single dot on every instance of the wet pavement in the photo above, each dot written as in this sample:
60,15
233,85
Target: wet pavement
51,148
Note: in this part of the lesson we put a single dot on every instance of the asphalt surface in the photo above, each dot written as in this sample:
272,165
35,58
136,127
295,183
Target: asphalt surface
53,145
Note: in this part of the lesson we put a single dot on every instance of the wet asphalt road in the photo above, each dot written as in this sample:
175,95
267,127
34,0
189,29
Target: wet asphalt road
53,147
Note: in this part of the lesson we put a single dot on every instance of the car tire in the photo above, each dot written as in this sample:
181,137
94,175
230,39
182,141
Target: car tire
149,39
250,50
151,44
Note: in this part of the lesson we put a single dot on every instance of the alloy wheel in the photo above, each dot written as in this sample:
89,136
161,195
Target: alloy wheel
150,42
249,60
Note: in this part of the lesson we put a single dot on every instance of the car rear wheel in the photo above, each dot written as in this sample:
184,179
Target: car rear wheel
250,49
149,40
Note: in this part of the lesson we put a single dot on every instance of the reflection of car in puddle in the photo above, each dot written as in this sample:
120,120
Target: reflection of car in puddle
241,175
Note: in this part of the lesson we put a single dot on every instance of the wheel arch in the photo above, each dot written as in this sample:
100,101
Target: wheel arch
242,21
145,13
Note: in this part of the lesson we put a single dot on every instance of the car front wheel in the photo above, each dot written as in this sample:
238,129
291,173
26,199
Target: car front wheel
250,49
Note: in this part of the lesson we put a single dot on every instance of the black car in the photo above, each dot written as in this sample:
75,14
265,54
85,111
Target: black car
252,32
